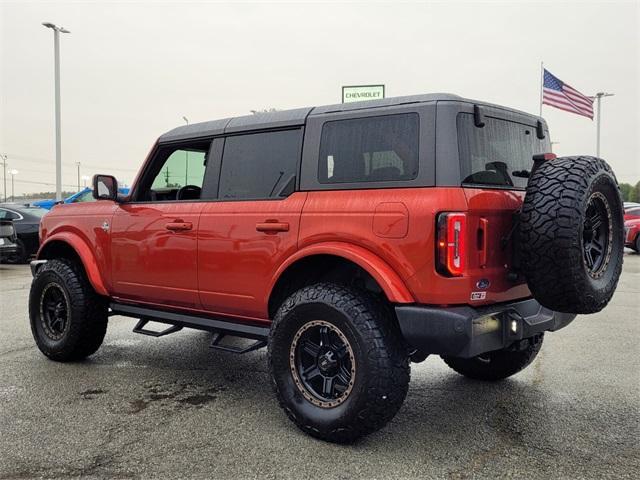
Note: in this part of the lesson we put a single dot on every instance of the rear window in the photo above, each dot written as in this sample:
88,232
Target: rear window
490,155
371,149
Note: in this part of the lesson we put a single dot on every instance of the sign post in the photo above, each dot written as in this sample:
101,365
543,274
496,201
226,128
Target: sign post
358,93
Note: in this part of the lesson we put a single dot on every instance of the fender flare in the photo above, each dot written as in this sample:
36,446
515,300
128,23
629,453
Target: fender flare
86,257
389,281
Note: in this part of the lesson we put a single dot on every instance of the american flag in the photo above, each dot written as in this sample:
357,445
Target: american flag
560,95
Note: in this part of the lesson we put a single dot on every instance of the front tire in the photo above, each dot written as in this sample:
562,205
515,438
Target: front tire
337,361
499,364
68,319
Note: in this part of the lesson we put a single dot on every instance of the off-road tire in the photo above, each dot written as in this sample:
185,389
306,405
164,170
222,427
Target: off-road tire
499,364
553,231
381,371
86,312
637,243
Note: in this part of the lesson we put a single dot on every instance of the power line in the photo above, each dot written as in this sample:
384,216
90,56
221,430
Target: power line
49,162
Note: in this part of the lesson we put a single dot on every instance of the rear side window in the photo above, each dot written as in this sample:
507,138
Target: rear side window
490,155
260,165
371,149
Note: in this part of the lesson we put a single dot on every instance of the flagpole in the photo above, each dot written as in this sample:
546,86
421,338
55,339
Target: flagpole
599,96
541,84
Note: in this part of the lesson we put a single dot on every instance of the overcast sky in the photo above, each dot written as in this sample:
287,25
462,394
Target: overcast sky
132,70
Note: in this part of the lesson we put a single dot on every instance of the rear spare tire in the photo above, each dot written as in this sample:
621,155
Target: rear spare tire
571,234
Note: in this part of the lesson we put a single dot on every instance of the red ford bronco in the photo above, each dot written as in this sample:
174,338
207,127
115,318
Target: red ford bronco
349,239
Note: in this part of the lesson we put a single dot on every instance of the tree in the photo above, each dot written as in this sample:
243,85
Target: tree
626,191
636,193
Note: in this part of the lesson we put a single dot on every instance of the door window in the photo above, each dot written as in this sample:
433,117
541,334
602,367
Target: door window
260,165
177,173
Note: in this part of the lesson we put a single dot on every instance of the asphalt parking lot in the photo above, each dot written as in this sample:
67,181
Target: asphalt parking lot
171,408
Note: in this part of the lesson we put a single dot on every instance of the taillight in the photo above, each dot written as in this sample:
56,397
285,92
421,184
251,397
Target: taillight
451,244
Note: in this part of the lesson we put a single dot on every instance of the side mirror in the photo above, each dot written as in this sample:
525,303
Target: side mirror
105,187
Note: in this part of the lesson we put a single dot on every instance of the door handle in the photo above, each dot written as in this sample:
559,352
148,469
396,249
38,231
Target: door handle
179,226
272,227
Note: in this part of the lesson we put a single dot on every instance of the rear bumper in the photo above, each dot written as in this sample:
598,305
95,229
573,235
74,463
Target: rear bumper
466,331
7,249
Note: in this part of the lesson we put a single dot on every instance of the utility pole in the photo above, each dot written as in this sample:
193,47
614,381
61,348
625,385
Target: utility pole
56,54
13,173
4,176
599,96
78,165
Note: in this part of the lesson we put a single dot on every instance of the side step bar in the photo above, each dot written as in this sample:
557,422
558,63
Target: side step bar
221,327
217,338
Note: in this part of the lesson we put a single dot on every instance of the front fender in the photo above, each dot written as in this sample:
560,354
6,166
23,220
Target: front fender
85,253
388,280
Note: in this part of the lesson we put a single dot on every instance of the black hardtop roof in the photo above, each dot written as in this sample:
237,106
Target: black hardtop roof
298,116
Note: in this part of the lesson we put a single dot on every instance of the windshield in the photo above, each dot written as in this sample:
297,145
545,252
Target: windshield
35,211
490,155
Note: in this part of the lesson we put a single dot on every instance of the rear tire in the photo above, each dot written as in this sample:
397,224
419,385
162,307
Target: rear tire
325,330
68,319
499,364
571,234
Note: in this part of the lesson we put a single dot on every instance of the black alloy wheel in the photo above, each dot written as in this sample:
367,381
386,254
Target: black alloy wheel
597,235
54,311
322,364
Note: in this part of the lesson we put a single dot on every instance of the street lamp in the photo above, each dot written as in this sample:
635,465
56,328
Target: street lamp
599,96
84,179
4,176
56,54
78,165
13,173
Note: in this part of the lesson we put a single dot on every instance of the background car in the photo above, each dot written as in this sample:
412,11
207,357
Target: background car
84,195
632,212
26,220
632,234
8,245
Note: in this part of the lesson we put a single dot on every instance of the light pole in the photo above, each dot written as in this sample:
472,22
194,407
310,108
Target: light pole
84,179
186,166
13,173
599,96
78,165
56,54
4,176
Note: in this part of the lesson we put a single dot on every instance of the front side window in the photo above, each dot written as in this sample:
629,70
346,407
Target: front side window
370,149
260,165
498,154
176,174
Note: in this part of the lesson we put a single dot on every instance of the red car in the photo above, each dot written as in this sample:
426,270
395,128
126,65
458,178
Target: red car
349,239
632,213
632,234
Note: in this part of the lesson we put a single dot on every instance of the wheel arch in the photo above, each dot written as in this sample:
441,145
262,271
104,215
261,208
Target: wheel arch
336,258
72,247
